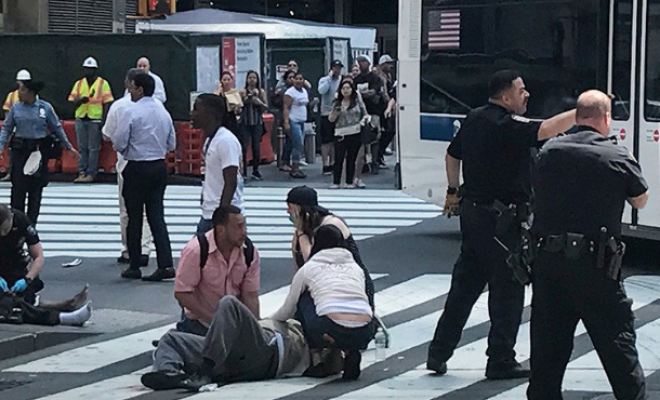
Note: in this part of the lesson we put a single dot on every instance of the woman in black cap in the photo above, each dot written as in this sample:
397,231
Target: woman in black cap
307,216
32,146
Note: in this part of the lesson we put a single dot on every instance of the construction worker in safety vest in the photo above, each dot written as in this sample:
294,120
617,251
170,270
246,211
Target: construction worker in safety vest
12,98
91,96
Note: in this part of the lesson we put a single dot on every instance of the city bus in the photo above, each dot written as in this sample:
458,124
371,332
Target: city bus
448,49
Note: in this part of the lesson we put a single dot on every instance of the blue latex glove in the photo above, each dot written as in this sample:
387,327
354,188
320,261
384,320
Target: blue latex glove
19,286
3,285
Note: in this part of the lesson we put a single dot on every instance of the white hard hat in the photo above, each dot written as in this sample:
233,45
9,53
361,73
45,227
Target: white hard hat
90,62
384,59
23,75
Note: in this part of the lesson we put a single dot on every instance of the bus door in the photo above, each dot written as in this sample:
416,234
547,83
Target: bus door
648,106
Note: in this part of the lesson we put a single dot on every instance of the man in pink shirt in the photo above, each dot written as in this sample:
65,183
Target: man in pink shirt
199,288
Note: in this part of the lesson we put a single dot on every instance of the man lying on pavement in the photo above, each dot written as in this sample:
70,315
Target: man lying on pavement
236,348
19,278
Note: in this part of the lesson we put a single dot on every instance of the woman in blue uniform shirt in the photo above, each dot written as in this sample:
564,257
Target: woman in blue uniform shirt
31,118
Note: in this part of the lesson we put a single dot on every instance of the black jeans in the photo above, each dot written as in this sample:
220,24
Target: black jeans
315,327
482,261
386,138
144,188
565,292
27,186
346,147
251,133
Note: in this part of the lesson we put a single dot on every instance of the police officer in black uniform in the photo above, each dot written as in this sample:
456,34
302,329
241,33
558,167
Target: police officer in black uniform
581,183
493,146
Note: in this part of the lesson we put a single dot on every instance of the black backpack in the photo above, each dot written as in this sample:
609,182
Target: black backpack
248,250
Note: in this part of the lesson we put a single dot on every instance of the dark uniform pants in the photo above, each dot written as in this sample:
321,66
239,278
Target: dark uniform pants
565,292
30,313
144,188
482,261
26,186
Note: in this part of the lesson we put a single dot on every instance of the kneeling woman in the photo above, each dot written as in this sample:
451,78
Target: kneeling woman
336,311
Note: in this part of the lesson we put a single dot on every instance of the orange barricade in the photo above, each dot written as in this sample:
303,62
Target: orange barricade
107,158
189,143
69,164
267,153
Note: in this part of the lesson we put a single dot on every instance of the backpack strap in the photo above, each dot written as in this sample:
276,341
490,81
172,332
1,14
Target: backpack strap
203,249
248,251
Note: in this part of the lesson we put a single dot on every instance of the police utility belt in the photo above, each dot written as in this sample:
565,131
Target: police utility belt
607,250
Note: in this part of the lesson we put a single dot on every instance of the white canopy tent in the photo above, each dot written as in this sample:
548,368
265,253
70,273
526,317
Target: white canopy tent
217,21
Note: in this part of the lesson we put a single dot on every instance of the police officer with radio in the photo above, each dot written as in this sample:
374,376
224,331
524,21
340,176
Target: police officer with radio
581,182
494,147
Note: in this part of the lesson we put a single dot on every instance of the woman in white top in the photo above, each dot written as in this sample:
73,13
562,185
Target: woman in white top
329,297
295,115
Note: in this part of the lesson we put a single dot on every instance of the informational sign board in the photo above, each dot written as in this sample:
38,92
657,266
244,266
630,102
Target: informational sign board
240,55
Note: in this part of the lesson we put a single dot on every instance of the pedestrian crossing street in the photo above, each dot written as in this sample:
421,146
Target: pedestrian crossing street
83,220
112,368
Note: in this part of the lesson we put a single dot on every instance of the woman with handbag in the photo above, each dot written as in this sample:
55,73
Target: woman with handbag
31,145
349,116
252,121
233,99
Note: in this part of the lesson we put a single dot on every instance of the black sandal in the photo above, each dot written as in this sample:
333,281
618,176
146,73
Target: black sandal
297,174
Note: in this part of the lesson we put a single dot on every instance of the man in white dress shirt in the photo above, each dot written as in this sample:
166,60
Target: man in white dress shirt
114,115
144,135
159,93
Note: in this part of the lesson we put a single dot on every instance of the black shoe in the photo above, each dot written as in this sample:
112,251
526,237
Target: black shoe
163,381
144,260
506,371
375,168
160,274
436,365
131,273
352,365
195,382
366,168
256,175
327,170
123,260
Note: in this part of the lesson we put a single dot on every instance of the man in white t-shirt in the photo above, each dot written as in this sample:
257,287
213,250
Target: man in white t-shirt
223,183
114,116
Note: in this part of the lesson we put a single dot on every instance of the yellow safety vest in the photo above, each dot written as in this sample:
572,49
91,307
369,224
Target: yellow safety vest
98,95
12,98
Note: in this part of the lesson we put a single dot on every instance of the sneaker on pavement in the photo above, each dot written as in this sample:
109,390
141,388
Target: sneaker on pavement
360,184
160,380
388,152
123,260
334,186
285,168
85,179
6,178
79,178
303,163
327,170
256,175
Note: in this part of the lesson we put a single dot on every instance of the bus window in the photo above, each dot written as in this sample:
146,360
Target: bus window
652,84
622,59
554,44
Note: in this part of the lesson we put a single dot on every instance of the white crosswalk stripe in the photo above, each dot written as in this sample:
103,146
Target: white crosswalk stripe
466,367
83,220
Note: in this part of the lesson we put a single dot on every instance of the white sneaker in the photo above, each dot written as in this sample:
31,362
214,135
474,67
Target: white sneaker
360,184
333,186
303,163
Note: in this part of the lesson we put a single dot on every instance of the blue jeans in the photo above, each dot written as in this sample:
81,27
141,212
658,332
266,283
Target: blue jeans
297,141
204,225
315,327
89,136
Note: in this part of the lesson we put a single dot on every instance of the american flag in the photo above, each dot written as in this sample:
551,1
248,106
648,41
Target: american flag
444,29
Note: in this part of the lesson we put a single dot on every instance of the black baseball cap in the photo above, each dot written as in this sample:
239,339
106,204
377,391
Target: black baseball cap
337,63
304,196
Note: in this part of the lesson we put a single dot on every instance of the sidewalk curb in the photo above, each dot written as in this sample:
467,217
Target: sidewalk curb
27,343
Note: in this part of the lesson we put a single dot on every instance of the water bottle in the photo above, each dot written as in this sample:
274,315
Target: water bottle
381,341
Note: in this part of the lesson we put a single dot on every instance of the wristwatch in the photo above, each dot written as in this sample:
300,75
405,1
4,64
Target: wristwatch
452,190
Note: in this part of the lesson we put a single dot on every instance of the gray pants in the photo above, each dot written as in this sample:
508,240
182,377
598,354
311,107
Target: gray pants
236,342
89,135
